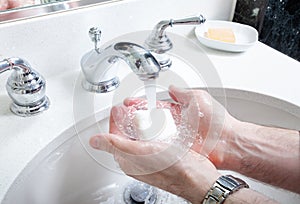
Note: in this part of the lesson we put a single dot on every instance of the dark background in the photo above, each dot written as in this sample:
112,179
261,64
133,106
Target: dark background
277,21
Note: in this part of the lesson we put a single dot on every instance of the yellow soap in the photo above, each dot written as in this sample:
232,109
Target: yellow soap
221,34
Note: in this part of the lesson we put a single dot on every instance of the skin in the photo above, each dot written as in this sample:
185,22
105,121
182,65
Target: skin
19,3
3,4
238,146
178,178
9,4
270,155
267,154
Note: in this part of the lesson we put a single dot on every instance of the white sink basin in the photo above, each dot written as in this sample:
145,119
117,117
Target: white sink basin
65,173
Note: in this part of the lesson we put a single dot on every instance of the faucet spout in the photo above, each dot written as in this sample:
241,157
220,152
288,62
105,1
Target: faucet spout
100,72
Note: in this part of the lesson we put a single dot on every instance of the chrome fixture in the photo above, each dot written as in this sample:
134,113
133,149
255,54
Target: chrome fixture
159,43
139,192
98,65
25,86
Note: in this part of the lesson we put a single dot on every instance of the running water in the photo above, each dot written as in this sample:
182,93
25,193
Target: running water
186,132
150,91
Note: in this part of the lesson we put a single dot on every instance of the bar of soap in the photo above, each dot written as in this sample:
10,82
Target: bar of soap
221,34
157,124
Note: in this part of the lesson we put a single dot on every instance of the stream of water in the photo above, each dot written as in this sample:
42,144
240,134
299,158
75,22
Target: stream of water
150,92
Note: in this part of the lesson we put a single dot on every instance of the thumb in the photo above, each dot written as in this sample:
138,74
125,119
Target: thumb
180,95
103,142
111,143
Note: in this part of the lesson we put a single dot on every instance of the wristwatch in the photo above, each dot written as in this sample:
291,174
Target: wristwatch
224,186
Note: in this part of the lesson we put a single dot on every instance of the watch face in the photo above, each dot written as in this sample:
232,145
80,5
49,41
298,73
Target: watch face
228,182
232,183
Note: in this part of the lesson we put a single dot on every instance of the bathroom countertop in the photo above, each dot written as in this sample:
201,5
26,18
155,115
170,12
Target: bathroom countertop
260,69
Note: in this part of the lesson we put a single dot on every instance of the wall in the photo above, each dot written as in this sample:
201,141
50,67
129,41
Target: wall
281,27
276,20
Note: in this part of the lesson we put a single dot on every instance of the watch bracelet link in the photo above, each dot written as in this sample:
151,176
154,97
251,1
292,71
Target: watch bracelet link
224,186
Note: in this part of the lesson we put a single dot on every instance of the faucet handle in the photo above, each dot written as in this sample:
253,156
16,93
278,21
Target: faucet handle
25,86
159,42
188,21
95,35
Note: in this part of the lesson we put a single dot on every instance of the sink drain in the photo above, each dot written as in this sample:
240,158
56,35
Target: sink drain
139,193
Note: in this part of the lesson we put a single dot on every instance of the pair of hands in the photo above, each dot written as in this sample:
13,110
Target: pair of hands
185,172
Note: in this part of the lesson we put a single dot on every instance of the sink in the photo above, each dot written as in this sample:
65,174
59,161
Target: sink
68,171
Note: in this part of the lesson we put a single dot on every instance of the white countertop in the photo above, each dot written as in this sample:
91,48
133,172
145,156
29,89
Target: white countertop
260,69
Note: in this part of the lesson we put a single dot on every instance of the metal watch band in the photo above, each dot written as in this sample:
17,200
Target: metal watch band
224,186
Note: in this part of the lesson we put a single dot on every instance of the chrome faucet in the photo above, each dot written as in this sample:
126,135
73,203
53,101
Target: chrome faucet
159,43
98,65
25,86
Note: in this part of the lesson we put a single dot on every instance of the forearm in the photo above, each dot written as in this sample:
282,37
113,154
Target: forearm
248,196
267,154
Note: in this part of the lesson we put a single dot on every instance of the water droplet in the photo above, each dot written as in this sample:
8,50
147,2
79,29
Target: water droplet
200,114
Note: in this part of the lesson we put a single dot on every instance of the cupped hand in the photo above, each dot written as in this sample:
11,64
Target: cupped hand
212,121
167,166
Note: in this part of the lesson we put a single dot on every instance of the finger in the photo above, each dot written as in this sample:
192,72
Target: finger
117,143
142,103
184,96
120,119
180,95
113,126
137,157
102,142
112,143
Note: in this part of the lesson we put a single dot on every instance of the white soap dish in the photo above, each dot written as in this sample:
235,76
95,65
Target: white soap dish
246,36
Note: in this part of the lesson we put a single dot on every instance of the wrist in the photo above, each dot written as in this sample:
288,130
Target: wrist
239,141
222,188
226,153
202,187
198,179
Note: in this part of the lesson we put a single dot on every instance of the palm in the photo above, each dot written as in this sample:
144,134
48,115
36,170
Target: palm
203,114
